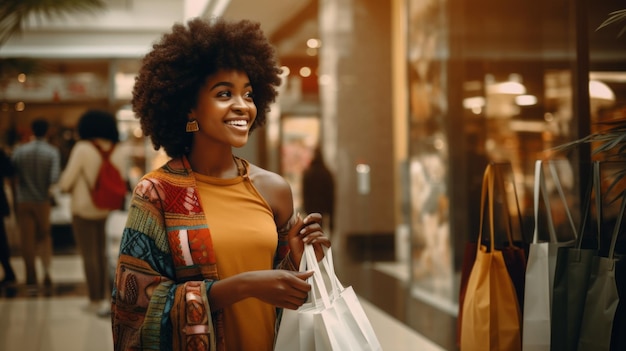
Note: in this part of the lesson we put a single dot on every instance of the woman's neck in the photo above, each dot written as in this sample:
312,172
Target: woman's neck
214,165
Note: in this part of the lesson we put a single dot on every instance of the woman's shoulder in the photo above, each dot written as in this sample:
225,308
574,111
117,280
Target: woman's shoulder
84,144
275,190
84,151
172,172
267,179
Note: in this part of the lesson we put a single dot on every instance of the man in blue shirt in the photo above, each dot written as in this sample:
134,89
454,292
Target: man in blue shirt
38,165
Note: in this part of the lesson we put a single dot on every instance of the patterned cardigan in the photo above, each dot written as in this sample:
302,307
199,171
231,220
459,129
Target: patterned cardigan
166,267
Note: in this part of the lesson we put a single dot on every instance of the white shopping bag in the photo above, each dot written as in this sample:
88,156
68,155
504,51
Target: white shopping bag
295,332
333,318
350,311
540,268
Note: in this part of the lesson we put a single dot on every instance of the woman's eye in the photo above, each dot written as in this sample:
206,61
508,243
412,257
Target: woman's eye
249,95
224,94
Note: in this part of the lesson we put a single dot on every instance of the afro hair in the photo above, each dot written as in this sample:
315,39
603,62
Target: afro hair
173,73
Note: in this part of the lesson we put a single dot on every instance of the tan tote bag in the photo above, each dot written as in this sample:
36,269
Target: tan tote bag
491,319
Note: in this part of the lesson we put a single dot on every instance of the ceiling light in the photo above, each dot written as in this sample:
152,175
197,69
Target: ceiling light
601,91
314,43
507,88
305,72
526,100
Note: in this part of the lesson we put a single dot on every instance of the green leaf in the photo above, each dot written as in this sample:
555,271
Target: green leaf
614,17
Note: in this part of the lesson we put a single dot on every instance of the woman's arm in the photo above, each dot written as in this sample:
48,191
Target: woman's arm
150,309
293,231
281,288
73,169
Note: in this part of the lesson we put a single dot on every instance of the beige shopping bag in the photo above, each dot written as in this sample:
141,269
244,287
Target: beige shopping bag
491,319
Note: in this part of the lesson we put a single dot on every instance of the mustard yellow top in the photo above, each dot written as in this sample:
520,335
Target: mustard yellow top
244,239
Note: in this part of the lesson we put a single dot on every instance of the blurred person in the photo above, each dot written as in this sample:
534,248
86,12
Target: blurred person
210,252
37,165
95,127
6,171
318,188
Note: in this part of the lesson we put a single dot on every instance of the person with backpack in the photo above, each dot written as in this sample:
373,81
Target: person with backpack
94,157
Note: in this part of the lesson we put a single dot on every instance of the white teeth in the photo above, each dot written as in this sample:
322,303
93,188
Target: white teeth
239,123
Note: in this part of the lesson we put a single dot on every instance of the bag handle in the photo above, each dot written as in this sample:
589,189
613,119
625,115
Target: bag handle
309,260
487,190
505,200
487,194
598,190
540,187
585,214
620,215
559,188
616,229
103,153
595,188
329,266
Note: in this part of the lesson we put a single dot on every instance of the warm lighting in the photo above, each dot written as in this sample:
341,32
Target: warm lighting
439,143
526,100
507,88
311,51
125,114
474,103
325,79
599,90
124,83
286,71
20,106
314,43
305,72
21,77
137,132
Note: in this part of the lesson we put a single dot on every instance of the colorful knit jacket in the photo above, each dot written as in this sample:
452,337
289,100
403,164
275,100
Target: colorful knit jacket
166,267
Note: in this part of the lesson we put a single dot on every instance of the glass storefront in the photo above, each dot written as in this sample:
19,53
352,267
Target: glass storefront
490,82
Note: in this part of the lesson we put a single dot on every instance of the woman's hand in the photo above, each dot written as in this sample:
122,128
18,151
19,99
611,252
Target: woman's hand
281,288
307,231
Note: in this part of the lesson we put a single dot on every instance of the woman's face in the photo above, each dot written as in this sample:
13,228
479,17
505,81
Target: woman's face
225,110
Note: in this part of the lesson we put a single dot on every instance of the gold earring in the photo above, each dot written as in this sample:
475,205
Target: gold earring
192,126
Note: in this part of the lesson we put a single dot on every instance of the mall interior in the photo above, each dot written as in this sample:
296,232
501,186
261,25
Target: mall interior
408,100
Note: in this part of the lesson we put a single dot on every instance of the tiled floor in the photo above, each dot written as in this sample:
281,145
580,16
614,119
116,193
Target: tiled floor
33,319
59,323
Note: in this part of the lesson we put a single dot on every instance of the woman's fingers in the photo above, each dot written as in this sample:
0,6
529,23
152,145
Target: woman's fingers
299,292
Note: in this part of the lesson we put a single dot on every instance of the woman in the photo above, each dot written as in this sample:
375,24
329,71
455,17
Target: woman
212,243
96,129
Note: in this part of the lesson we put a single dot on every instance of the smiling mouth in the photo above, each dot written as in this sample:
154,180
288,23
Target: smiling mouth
238,123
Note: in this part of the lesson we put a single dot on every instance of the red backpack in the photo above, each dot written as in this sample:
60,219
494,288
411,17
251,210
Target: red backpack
110,189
